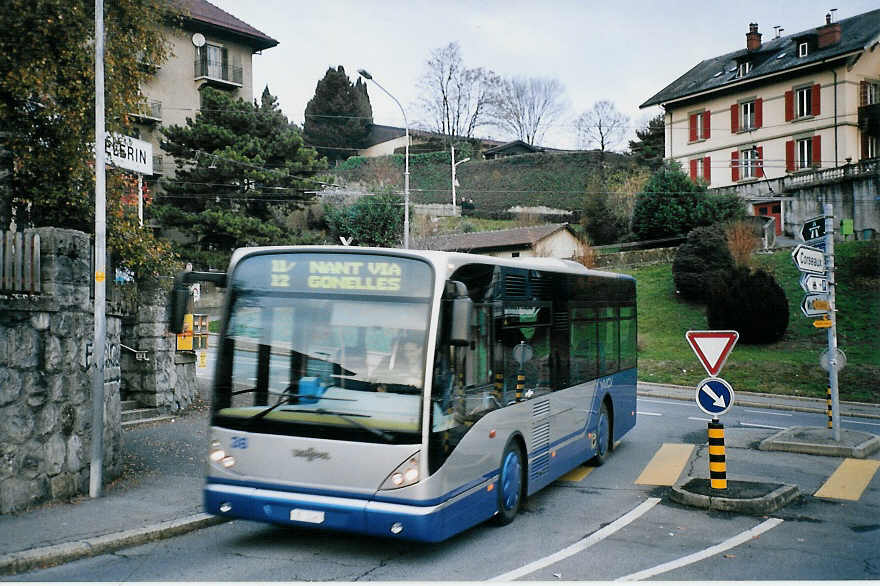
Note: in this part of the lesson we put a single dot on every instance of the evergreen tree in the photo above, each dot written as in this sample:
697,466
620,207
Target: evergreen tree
240,169
650,147
373,220
339,117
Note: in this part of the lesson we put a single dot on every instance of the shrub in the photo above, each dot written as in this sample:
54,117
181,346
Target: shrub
859,260
742,242
698,262
752,303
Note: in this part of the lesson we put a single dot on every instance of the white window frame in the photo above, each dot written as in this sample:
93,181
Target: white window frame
744,68
803,156
871,151
748,164
747,115
803,98
699,122
803,49
873,94
699,174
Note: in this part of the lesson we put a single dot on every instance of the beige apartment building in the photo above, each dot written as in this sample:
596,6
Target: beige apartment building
212,48
778,107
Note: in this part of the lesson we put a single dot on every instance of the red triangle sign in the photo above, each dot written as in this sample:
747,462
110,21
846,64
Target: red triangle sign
712,347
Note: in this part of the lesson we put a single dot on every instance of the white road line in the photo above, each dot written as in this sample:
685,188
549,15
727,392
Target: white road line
699,419
860,422
580,545
677,403
745,424
649,413
706,553
768,412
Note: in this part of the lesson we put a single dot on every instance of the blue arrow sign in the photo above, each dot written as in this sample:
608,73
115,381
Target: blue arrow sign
714,396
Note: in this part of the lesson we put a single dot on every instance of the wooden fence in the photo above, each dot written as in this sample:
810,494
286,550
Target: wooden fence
19,262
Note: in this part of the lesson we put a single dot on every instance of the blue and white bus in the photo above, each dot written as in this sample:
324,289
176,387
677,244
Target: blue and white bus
410,394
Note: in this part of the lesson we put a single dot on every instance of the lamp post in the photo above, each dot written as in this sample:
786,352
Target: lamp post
366,75
454,180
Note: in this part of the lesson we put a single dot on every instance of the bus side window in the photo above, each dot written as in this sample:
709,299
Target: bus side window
608,340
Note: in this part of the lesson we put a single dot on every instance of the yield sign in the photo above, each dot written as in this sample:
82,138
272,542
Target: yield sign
712,347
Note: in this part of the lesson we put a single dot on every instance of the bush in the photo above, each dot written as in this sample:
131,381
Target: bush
742,241
699,261
858,260
752,303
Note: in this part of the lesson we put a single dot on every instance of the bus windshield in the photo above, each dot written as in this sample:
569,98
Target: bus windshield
322,363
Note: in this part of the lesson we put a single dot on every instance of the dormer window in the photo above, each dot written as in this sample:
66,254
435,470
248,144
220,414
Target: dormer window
803,49
744,68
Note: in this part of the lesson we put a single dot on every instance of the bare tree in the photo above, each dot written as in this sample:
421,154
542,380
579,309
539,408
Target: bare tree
602,126
527,107
454,99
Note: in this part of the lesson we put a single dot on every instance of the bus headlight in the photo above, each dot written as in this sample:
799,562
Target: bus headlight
404,475
217,453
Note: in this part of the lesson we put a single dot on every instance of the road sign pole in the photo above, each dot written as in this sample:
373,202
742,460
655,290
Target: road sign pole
832,331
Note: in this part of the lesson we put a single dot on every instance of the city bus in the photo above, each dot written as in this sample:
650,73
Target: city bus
410,394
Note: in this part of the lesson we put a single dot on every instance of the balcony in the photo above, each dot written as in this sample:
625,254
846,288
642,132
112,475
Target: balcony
219,74
150,114
158,165
869,119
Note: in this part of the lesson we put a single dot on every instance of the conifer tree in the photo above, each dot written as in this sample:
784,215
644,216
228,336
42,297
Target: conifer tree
339,117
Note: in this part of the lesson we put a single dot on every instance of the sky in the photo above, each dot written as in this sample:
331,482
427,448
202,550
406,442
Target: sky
624,51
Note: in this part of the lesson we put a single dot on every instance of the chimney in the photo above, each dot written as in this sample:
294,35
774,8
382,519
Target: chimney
753,37
829,33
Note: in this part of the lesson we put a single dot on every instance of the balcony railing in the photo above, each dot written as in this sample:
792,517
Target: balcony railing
869,167
159,165
219,72
152,112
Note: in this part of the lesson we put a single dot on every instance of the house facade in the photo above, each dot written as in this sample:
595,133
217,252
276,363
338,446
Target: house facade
778,108
211,48
549,240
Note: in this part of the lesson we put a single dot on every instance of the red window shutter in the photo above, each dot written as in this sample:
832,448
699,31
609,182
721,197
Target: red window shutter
694,169
759,113
863,93
760,172
789,155
706,126
789,106
693,127
817,151
734,166
816,107
734,118
707,169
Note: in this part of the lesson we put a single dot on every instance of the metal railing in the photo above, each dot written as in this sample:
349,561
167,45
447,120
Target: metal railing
19,262
868,167
218,71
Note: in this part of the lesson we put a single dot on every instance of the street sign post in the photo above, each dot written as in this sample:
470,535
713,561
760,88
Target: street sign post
712,347
808,259
714,396
815,304
814,283
813,229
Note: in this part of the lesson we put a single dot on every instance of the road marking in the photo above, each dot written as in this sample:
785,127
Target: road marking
666,465
761,411
850,480
649,413
676,403
581,545
706,553
746,424
699,419
577,474
860,422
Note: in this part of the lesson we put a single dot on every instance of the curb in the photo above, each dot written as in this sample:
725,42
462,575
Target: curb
53,555
776,443
774,500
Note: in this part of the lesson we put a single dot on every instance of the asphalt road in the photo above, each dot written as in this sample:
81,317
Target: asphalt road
598,524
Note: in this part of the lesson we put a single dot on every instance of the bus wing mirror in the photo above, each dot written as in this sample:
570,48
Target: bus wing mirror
461,314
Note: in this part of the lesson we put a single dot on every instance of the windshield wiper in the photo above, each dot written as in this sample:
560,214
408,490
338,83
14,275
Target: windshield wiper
351,419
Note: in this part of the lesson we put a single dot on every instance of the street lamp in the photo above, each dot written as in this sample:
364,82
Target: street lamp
454,180
366,75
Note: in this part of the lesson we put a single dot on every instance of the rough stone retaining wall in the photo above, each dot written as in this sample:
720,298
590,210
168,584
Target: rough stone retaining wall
45,380
635,257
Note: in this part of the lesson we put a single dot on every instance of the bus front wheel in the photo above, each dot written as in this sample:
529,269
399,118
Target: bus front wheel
510,484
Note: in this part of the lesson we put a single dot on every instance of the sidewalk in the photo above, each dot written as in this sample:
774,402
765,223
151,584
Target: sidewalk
159,492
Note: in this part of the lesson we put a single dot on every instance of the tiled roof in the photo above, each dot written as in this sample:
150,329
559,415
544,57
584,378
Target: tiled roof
494,240
772,57
205,13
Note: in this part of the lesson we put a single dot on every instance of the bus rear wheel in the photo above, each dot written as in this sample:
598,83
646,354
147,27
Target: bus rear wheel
510,484
603,436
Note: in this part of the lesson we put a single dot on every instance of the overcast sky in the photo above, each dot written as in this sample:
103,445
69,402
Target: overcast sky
619,50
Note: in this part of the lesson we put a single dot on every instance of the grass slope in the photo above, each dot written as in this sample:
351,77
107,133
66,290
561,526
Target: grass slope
790,366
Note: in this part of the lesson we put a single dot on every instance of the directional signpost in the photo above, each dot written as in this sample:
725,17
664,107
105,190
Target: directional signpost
714,395
817,280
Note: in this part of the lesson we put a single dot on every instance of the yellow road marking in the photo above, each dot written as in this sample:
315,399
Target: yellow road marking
666,465
577,474
849,480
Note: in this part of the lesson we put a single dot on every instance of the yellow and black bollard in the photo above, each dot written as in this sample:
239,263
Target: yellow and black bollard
499,386
520,384
828,408
717,462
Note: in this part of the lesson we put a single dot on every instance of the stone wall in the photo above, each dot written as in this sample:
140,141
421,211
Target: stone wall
617,260
166,379
45,380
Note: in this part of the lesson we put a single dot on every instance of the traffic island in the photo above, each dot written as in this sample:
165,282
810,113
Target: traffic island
740,496
820,441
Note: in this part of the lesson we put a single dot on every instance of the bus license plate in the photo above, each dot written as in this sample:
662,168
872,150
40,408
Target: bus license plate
307,516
